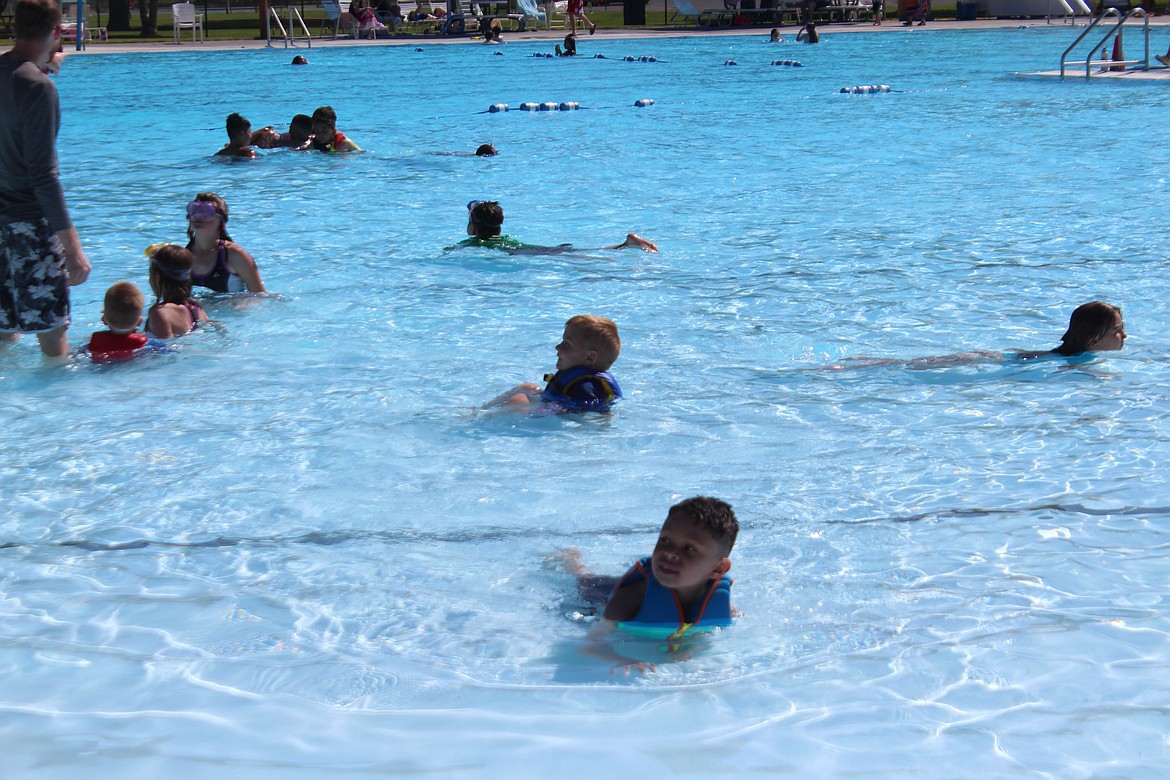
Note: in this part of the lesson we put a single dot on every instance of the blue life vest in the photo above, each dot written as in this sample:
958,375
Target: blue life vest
662,609
580,389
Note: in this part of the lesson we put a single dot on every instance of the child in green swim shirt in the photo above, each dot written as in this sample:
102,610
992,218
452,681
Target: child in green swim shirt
485,218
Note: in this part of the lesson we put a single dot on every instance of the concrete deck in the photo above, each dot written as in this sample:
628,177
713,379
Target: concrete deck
890,25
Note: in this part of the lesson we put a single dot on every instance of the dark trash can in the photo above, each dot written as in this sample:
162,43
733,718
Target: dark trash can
634,12
966,10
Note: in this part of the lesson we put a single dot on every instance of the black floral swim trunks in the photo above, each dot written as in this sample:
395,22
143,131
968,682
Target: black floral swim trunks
34,286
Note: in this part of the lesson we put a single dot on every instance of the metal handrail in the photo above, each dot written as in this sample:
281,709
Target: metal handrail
1117,27
289,40
292,11
272,14
1069,11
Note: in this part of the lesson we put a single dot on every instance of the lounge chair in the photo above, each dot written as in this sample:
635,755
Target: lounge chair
461,19
709,18
509,22
532,13
332,17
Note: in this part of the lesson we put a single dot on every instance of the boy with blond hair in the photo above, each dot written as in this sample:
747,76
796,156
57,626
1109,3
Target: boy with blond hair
582,382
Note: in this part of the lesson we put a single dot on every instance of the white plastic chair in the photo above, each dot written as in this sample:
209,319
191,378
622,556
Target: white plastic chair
551,9
186,18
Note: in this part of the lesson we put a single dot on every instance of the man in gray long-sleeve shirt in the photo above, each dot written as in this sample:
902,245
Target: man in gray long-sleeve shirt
40,253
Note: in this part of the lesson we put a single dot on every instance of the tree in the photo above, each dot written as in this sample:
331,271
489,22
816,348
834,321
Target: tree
119,15
148,13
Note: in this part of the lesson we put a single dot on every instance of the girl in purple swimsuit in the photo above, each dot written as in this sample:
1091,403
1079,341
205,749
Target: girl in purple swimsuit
221,264
174,313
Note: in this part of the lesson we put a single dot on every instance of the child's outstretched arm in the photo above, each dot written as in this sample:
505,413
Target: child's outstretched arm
622,605
520,395
597,645
636,241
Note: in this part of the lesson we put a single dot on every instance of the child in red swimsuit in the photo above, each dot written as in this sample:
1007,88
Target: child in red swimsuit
122,314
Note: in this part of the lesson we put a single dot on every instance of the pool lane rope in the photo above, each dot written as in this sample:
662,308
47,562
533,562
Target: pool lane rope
567,105
545,55
865,89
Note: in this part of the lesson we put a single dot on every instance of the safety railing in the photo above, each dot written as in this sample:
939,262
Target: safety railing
1117,28
1069,10
287,35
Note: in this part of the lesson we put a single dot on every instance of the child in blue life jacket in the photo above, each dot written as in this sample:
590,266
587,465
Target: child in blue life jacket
682,586
582,382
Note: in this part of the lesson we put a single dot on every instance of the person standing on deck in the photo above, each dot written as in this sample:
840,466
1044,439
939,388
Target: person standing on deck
40,253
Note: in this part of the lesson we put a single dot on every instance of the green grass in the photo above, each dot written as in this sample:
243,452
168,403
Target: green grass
244,25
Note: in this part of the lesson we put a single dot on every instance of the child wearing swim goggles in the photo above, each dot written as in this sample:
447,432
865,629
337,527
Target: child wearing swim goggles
221,264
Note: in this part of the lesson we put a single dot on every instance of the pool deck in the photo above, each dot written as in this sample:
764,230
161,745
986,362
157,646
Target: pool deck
890,26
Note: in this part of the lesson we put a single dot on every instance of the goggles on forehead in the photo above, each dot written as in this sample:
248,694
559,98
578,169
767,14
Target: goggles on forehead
201,209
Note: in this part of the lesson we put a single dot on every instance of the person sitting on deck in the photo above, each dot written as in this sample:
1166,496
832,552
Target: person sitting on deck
366,18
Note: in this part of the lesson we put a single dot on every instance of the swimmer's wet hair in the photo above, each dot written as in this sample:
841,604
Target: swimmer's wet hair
327,113
597,333
302,123
123,304
1088,323
485,150
33,20
236,123
713,516
170,273
486,218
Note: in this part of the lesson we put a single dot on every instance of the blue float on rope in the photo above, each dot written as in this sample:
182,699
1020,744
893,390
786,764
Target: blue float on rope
865,89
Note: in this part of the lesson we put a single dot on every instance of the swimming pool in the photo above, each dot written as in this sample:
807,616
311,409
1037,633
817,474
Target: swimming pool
298,548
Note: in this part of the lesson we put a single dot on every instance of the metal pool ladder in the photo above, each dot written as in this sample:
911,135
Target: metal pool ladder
1116,27
287,35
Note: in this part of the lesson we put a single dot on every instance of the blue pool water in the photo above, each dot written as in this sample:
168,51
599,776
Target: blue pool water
299,548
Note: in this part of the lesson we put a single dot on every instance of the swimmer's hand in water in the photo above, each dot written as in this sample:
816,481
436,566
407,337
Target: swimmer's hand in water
626,668
634,240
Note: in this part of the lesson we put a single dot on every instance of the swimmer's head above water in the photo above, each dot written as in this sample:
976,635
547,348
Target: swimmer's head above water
484,218
207,211
1093,327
